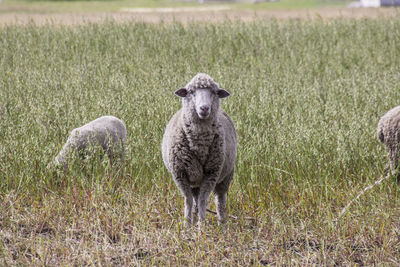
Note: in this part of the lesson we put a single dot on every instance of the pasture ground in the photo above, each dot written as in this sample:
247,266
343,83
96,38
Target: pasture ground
306,96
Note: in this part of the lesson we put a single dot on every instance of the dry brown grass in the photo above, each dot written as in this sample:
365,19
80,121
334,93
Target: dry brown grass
88,227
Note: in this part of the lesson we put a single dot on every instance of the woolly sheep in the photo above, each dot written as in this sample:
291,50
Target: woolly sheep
388,132
199,147
107,132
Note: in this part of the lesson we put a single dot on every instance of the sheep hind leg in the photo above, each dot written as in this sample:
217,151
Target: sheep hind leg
202,206
221,191
220,204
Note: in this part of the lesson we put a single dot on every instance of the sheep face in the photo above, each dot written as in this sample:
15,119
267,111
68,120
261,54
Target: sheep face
202,102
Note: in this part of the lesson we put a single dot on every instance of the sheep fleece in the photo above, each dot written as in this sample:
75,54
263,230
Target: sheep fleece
188,147
388,132
107,131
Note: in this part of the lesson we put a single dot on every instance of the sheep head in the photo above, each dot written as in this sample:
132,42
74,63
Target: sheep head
201,96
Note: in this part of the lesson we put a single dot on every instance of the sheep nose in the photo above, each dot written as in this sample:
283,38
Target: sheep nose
205,108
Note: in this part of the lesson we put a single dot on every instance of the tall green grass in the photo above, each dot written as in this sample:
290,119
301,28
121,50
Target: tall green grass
306,97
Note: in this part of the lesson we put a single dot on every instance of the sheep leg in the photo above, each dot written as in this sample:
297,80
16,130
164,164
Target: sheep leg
220,204
205,190
116,152
220,191
195,192
188,210
186,191
394,165
396,169
116,157
202,205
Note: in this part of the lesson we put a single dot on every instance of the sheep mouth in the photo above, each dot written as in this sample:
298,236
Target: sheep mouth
203,115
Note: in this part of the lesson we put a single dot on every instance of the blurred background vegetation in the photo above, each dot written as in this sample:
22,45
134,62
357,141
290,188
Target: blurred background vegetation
116,5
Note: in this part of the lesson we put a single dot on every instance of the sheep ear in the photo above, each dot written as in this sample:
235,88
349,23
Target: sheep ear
181,92
222,93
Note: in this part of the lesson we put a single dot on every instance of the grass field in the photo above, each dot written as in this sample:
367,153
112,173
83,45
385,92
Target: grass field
32,6
306,97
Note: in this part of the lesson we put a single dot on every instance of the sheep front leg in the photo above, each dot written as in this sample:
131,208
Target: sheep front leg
195,192
204,194
212,172
184,187
188,210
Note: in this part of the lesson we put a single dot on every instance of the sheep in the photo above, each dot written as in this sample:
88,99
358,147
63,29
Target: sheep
388,132
199,148
107,133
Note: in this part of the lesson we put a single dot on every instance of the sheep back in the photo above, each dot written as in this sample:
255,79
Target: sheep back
108,132
388,130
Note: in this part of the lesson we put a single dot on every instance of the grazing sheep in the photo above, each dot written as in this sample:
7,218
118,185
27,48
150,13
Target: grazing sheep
199,147
107,132
388,132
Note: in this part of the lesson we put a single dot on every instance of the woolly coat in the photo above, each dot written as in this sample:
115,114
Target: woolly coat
388,132
201,153
193,149
107,132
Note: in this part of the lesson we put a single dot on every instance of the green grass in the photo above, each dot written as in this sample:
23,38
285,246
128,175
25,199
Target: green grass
306,97
39,6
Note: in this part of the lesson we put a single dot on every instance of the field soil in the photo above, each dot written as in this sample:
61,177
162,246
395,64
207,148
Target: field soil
190,15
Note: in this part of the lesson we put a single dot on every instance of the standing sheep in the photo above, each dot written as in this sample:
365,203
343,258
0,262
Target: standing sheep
388,132
107,132
199,147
